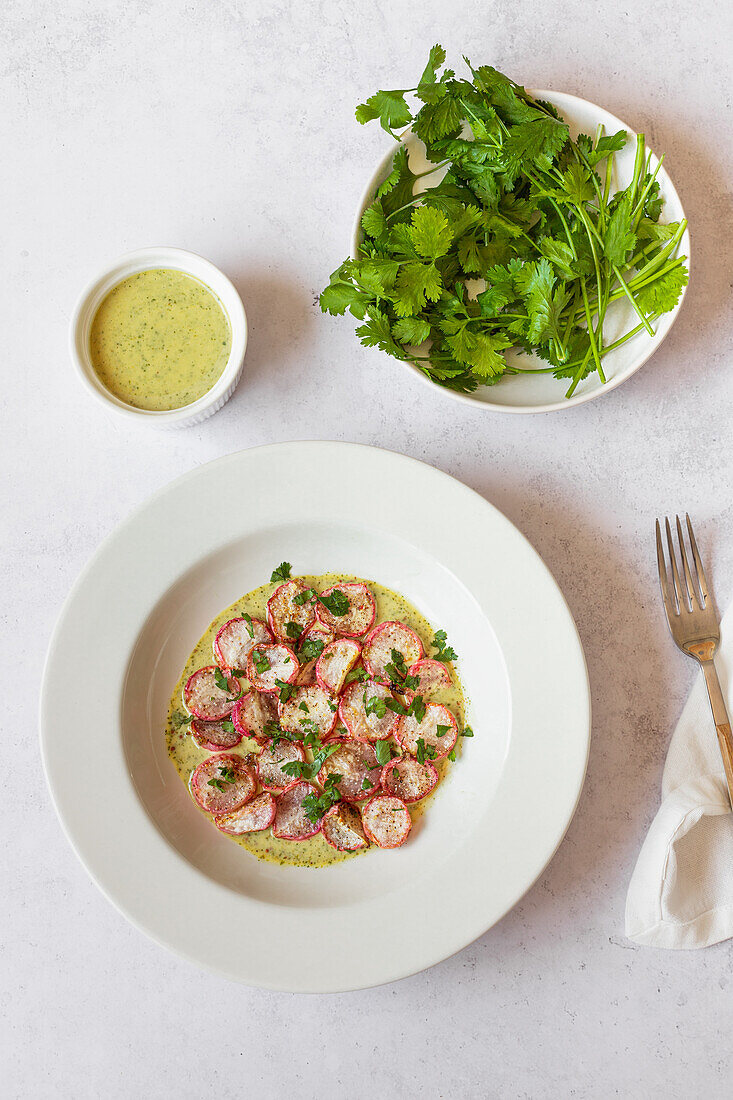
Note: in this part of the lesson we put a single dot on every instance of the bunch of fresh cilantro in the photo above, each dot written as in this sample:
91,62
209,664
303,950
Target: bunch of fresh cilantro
520,244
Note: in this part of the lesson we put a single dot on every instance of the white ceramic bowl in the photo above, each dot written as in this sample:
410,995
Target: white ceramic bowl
541,392
142,260
495,820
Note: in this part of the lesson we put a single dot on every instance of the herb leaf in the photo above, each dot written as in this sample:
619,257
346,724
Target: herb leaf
337,602
444,651
282,573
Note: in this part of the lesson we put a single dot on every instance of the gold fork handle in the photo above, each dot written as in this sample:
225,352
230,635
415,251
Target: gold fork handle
722,721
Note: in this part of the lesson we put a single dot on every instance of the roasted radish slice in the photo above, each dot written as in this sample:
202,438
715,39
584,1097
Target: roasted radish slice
342,828
386,821
221,784
282,609
358,616
309,710
408,780
363,710
205,699
215,736
252,714
233,644
377,650
269,663
431,675
271,760
321,637
356,763
251,818
291,821
335,663
437,730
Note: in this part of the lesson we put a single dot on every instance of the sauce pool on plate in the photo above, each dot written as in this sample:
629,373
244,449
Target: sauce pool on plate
159,340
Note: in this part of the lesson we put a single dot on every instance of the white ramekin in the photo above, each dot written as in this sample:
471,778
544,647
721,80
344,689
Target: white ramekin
143,260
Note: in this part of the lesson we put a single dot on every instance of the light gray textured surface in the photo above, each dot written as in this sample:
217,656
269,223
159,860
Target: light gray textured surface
228,128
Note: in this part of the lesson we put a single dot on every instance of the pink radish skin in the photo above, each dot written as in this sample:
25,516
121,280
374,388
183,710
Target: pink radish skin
352,712
307,674
322,709
291,821
354,761
269,762
432,675
232,795
360,616
414,781
386,821
342,828
251,715
204,699
335,663
283,666
211,736
253,817
379,643
282,609
409,731
233,644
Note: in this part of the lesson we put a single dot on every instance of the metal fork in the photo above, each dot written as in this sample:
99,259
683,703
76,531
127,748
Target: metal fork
694,626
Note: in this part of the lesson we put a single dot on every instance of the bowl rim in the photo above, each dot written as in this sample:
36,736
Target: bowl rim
131,263
557,98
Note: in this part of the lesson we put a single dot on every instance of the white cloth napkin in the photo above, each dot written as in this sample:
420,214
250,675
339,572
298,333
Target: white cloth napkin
681,891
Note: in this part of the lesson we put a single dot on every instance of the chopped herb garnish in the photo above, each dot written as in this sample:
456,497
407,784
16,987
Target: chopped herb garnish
304,597
452,754
375,706
366,784
179,719
311,649
424,751
226,775
356,674
221,680
382,752
411,683
293,630
239,673
395,773
248,620
304,707
228,725
417,708
286,690
337,602
282,573
395,706
444,651
467,732
315,807
441,730
260,661
332,706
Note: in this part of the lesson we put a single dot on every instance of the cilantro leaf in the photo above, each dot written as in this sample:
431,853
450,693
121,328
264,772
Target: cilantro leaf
337,602
382,752
444,652
282,573
389,107
430,233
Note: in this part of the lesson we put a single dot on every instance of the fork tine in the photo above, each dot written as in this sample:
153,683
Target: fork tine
701,580
663,577
691,588
682,603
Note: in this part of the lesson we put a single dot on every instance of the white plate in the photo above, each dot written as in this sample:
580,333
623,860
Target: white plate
150,591
542,392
